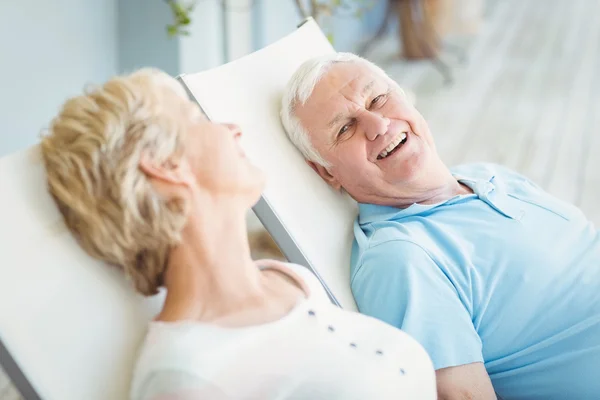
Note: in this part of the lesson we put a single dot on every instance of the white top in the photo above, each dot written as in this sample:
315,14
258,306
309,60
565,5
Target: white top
316,351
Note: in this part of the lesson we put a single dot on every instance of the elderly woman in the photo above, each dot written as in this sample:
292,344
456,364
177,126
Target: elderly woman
146,183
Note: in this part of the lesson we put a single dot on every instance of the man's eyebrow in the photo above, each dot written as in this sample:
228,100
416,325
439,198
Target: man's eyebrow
335,120
368,87
340,116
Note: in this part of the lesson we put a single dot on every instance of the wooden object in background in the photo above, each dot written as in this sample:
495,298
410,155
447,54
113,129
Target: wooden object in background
262,245
419,20
459,17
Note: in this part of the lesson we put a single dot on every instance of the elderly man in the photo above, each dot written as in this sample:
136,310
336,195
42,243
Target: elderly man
498,280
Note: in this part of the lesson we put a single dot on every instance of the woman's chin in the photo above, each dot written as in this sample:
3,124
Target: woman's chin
252,188
256,191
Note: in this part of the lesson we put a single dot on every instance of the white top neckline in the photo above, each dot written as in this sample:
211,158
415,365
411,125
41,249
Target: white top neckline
299,307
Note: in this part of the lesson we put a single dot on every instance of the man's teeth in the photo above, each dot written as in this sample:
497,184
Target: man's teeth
392,145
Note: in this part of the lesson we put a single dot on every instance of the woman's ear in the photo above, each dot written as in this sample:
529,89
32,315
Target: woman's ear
325,175
170,171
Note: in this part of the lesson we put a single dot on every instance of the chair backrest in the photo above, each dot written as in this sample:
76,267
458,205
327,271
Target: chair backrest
69,326
310,222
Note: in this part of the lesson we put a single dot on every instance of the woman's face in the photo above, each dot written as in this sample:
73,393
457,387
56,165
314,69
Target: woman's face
216,158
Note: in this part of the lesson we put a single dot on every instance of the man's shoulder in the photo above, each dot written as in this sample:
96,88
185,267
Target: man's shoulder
377,239
484,170
406,241
391,250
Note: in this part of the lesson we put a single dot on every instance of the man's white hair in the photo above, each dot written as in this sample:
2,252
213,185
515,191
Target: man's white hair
300,87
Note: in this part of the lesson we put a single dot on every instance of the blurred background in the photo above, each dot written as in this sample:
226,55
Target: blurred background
515,82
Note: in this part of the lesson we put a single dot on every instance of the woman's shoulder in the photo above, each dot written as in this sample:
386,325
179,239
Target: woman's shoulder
175,349
299,272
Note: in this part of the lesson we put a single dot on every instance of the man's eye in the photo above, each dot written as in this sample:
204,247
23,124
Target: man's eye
344,129
377,99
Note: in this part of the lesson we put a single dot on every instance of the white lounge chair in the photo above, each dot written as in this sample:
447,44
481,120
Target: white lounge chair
70,326
311,223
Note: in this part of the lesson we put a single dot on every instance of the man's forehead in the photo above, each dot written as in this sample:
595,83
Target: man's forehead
343,79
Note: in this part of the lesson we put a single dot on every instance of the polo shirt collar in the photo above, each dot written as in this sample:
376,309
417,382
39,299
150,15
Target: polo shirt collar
369,213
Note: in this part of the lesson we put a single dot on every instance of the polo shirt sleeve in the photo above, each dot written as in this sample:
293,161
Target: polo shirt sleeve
399,283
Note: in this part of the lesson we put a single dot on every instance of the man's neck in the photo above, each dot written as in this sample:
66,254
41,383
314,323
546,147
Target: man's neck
450,189
437,189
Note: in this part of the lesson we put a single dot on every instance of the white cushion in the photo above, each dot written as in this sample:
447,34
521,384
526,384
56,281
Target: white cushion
70,323
310,222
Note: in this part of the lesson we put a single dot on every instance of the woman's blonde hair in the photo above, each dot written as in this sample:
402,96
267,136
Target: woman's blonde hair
91,155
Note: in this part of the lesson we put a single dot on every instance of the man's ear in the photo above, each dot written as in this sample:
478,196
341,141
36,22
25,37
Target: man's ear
167,172
325,175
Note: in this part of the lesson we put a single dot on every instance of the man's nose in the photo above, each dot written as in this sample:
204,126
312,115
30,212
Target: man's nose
375,125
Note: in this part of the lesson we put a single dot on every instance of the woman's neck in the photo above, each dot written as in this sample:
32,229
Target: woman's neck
211,271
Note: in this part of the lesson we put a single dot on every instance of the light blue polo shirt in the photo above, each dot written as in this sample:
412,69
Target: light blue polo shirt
508,276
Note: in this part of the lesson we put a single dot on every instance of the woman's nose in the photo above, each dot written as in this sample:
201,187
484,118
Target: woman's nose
235,130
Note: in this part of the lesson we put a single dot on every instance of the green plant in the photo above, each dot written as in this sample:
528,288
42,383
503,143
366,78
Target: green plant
181,14
318,9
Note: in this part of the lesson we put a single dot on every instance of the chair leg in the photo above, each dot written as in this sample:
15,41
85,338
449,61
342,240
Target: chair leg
458,51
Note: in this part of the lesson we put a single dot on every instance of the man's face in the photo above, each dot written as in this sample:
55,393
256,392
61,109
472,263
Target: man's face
377,144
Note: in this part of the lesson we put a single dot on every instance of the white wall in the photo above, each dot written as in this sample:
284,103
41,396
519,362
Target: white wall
48,51
143,40
142,37
238,19
276,18
203,48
